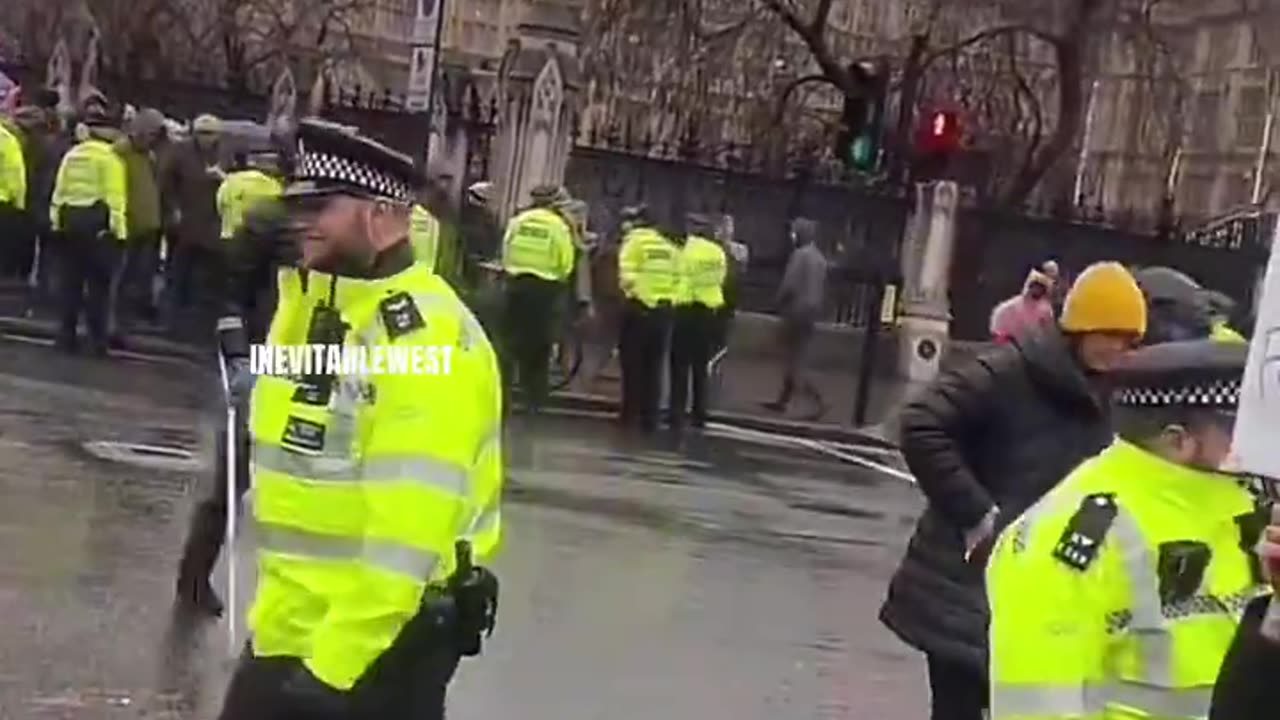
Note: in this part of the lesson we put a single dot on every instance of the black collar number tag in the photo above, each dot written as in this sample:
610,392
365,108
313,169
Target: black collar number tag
1082,539
1181,569
302,434
1251,526
400,315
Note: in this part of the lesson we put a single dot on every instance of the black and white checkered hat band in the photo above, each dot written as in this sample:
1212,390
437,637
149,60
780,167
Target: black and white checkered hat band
335,168
1220,394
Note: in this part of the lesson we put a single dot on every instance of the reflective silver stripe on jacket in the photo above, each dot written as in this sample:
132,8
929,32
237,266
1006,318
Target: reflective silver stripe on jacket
485,520
1008,701
436,474
396,557
1147,625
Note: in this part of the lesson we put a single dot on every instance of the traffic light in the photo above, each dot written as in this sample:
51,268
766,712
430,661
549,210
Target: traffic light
858,139
937,141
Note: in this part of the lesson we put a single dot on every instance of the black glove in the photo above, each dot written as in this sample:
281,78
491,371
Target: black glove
312,698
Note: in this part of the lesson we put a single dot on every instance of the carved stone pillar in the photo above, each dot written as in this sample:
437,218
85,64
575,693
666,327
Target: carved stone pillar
925,322
538,89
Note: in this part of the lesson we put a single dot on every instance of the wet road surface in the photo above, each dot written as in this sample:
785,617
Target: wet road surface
720,579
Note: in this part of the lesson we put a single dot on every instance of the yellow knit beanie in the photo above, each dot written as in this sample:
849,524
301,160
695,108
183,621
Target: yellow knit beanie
1105,298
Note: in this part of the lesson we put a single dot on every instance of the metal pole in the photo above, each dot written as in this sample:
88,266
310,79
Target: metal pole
870,341
1264,150
435,74
232,507
1078,194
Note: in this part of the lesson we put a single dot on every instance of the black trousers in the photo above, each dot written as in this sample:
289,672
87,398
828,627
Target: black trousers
529,318
959,692
134,289
417,692
207,532
18,240
194,277
693,338
88,259
643,347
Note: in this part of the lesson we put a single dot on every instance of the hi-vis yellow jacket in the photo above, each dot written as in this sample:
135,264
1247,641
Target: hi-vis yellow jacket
92,172
13,170
703,268
359,499
649,267
539,242
424,234
239,192
1117,595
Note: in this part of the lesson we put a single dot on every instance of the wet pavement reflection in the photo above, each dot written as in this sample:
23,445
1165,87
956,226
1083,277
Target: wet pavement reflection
711,578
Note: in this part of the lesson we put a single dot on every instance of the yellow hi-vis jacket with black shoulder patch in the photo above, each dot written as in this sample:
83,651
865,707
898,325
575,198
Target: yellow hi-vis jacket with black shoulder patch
424,234
13,170
92,172
1117,595
703,268
359,501
649,267
239,193
539,242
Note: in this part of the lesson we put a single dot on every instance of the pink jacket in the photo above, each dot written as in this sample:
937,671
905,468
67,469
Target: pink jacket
1020,313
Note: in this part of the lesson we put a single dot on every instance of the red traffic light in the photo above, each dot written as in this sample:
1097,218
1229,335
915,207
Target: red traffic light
940,125
939,132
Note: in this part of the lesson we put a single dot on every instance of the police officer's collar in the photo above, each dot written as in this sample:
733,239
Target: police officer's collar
393,260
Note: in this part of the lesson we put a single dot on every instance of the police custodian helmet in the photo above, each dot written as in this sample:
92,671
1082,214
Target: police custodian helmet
332,159
1193,374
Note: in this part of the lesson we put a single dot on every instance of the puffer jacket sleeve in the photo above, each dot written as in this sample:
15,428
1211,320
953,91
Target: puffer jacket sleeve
1246,687
935,428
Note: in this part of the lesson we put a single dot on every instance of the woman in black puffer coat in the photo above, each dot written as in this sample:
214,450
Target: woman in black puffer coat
985,442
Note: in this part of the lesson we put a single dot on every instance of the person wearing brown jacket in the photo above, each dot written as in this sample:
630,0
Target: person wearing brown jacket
192,172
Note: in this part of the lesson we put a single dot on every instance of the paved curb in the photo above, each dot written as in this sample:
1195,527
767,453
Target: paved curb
142,344
583,402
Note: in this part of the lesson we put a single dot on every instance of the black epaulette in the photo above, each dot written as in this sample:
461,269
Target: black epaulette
400,315
1083,536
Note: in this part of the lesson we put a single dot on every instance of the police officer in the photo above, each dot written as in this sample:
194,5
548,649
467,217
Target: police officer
649,274
256,182
1118,593
256,237
88,210
370,492
703,268
538,256
13,199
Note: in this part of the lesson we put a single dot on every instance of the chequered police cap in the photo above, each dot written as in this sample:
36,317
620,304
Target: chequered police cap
1218,395
333,158
1196,374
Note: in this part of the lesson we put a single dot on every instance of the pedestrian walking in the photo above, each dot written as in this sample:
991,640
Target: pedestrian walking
800,302
193,259
1118,593
649,276
538,256
367,595
89,210
135,278
1025,311
985,441
703,267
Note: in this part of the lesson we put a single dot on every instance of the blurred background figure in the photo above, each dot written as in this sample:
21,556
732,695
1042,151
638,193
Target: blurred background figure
1024,312
132,287
801,298
193,254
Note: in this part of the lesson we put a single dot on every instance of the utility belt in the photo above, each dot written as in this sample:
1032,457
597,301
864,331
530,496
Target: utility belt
457,616
85,220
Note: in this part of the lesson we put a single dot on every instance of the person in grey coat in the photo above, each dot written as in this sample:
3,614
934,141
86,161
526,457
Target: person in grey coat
800,302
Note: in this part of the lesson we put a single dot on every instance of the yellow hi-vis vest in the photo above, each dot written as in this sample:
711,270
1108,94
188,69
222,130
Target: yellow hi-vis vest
1222,332
649,267
1116,596
703,268
92,172
539,242
239,193
424,234
13,170
358,503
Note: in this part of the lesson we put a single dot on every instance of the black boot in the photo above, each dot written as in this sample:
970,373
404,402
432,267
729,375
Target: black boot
199,555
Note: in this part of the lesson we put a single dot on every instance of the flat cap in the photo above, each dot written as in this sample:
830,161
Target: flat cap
332,159
1194,374
632,213
550,194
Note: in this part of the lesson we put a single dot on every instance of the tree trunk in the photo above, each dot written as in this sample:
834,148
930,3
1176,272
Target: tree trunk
1070,61
899,141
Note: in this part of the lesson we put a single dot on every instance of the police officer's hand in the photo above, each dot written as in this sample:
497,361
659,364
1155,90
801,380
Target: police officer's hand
1269,554
310,697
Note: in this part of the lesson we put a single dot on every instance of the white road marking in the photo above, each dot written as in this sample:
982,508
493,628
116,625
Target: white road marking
830,449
